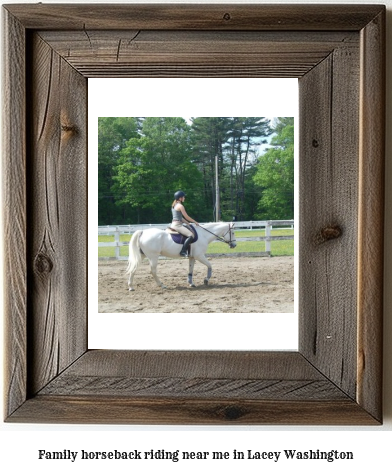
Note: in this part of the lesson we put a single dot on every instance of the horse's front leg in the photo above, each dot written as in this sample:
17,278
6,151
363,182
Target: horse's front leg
205,262
153,266
190,274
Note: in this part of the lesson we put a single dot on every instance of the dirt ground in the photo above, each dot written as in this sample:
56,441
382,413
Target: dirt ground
237,285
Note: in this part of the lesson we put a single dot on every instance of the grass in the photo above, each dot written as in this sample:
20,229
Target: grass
278,248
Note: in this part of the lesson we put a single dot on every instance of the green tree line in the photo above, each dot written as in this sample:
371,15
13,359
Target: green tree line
142,161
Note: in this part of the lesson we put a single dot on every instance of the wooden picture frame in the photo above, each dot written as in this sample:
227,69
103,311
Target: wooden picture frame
338,54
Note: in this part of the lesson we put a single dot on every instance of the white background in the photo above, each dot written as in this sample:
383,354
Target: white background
19,444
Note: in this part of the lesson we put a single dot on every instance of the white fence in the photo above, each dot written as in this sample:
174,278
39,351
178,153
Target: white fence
117,230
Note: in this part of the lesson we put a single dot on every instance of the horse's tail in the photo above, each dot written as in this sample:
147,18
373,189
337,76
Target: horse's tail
135,256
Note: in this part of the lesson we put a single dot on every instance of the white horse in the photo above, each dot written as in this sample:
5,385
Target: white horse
155,242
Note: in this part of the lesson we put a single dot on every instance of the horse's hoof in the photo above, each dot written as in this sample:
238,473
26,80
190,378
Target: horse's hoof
206,282
192,285
131,289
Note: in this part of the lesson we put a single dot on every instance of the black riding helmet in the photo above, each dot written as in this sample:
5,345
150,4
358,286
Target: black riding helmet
178,195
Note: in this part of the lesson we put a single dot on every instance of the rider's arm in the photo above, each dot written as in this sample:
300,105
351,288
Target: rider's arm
183,211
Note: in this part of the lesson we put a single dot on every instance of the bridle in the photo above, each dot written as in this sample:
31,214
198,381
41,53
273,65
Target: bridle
222,239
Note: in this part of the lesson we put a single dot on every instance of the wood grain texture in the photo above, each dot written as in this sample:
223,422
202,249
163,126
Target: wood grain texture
164,53
191,387
371,216
206,374
14,211
57,211
338,52
195,17
208,364
155,411
329,97
201,387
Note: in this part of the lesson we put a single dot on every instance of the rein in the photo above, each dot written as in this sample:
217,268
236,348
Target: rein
221,239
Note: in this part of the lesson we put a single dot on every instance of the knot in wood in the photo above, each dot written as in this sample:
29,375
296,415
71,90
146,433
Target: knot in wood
68,131
69,128
315,143
227,16
43,264
232,413
328,233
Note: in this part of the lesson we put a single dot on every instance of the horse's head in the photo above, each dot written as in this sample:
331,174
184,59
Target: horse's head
223,231
229,236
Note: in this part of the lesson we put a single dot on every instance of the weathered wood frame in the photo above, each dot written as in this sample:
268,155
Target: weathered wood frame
337,52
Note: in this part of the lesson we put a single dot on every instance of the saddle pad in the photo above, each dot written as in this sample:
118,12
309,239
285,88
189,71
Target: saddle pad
180,239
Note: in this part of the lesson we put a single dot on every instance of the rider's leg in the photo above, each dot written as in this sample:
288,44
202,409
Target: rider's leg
189,237
186,245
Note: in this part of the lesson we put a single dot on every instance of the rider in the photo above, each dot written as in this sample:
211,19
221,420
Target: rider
180,216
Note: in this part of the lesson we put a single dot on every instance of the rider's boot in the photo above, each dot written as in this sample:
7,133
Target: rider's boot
185,247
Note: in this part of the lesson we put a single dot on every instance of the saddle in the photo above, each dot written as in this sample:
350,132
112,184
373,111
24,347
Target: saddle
179,238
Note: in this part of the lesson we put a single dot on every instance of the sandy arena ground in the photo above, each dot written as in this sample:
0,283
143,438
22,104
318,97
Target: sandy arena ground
237,285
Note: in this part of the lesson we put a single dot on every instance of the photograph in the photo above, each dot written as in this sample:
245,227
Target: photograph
198,212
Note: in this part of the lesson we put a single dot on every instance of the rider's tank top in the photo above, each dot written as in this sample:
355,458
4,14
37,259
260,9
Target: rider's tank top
177,215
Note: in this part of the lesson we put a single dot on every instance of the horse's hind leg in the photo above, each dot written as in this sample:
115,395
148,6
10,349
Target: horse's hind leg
130,281
153,265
